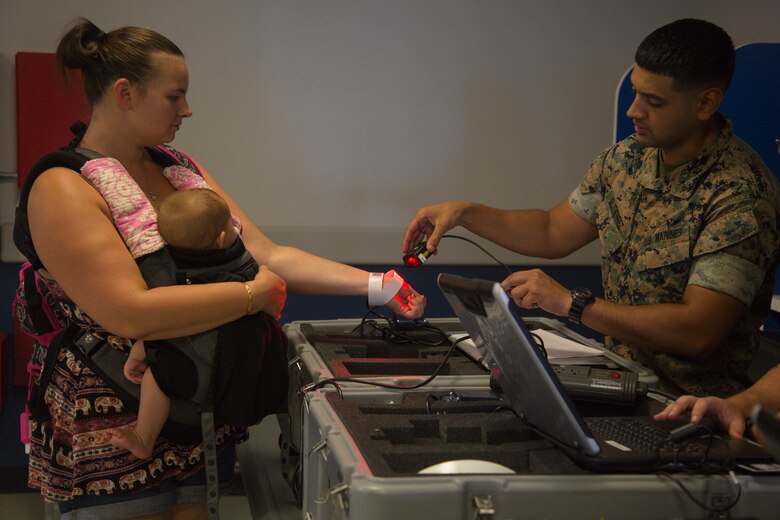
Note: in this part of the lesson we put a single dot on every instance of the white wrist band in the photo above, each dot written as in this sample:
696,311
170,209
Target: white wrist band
378,295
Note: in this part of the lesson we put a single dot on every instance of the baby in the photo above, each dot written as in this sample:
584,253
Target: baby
189,220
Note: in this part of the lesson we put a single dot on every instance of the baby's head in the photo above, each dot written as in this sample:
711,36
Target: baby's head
196,219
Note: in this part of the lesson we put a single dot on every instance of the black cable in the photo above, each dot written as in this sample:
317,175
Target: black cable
702,466
335,380
428,399
540,344
392,334
689,494
502,264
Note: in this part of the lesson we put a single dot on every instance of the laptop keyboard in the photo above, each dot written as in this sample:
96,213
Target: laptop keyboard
637,435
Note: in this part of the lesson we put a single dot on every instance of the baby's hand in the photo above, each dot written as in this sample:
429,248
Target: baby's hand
134,370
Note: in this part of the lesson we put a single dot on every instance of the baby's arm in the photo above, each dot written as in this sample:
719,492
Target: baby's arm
135,366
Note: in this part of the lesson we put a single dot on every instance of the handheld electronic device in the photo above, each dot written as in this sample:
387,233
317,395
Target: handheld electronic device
418,256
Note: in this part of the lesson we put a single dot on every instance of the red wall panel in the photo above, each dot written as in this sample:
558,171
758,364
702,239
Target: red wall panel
46,106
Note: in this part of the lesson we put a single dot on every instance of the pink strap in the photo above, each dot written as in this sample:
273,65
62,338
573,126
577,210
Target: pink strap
131,211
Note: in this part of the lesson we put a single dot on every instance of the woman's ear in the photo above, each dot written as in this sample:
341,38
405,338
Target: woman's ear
123,93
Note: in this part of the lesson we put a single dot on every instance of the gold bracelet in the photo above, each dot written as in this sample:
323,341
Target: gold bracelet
248,293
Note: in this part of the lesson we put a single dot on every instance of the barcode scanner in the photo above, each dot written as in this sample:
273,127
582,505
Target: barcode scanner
418,256
420,253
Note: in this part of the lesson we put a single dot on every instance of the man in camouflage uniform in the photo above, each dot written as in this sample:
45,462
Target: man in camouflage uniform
686,214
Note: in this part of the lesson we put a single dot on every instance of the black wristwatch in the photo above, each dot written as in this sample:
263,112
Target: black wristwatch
581,297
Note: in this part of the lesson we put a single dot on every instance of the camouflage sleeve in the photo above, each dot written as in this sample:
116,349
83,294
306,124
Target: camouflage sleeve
728,274
587,197
585,204
735,251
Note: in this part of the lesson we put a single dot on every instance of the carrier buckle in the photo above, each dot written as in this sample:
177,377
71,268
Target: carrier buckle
88,342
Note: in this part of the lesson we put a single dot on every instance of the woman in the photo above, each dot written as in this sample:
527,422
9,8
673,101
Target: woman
136,82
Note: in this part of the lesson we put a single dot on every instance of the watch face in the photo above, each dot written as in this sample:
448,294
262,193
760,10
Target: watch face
581,297
582,293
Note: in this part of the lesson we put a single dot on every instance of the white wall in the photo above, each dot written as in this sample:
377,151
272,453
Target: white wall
330,122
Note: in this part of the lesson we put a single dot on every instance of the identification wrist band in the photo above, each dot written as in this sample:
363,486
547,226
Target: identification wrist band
379,294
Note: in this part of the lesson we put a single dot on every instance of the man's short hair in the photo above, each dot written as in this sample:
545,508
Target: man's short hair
193,219
696,53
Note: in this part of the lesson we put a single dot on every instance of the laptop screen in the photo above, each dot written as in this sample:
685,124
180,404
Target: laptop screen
519,365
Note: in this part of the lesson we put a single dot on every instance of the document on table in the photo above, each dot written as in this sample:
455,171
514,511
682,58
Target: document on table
558,347
560,350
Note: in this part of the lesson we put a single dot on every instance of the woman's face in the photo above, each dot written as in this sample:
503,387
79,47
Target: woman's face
162,104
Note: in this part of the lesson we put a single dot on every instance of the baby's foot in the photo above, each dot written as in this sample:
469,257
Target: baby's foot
130,440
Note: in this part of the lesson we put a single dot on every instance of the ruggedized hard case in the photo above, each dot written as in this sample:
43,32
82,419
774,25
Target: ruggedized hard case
362,452
323,349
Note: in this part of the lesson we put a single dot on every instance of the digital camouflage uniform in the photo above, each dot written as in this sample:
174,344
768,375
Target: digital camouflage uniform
712,222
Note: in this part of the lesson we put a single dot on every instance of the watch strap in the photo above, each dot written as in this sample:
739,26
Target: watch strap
581,298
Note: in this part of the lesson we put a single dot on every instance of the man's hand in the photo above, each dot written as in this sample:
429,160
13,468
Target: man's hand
697,408
535,289
433,222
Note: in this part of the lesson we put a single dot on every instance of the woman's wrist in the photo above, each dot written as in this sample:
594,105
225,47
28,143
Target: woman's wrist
382,287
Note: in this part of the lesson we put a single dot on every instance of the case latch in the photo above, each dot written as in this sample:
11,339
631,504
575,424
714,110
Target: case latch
483,507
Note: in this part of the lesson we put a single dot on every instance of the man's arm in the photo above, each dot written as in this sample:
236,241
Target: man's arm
694,328
730,413
766,392
546,234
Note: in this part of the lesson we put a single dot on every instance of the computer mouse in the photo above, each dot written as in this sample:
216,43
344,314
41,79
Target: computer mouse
465,466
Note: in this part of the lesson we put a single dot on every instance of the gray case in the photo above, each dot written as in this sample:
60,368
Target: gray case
309,363
339,484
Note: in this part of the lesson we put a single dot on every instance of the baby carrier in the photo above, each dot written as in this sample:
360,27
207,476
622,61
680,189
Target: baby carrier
255,344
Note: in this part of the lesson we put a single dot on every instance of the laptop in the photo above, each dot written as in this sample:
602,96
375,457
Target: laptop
539,399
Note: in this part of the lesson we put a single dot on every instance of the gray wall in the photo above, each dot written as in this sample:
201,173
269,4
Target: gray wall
330,122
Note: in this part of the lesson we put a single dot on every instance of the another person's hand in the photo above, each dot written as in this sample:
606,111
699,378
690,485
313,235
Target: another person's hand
272,294
697,408
407,303
134,370
433,222
536,289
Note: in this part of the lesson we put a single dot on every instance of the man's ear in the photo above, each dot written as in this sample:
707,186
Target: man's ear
123,93
708,103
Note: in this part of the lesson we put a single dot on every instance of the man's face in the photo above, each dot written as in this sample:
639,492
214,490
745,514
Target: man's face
663,116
